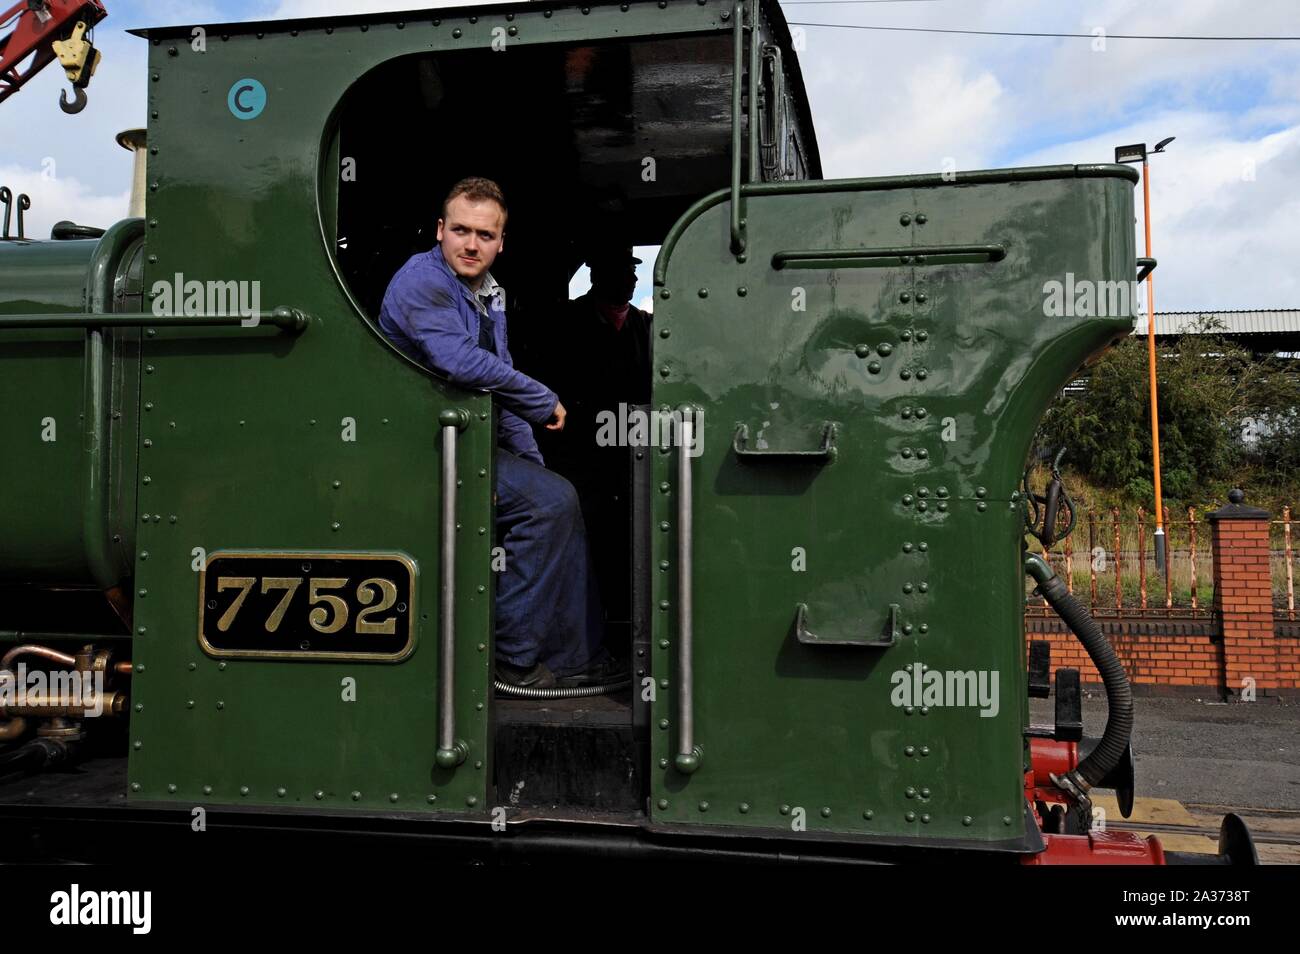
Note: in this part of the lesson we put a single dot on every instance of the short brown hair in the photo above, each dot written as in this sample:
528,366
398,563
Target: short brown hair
476,189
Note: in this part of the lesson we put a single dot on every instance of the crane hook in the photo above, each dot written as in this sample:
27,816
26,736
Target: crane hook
78,103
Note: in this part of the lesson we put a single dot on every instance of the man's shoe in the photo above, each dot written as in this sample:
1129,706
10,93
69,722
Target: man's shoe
536,676
601,670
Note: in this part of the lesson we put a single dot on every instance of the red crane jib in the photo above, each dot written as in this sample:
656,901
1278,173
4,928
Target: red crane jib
39,23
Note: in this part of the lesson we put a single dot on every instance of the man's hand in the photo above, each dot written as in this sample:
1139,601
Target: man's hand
558,414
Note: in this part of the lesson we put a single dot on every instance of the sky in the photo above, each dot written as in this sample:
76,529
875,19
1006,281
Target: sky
1225,206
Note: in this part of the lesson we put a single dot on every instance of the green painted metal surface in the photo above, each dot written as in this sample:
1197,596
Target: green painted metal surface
71,396
934,375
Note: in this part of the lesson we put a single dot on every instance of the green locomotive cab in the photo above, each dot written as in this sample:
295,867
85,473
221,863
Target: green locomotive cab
294,520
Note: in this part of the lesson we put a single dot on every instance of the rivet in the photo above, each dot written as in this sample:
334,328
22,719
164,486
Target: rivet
826,812
905,297
663,723
922,453
906,413
907,587
221,704
907,548
905,374
742,291
663,802
920,412
704,806
149,404
335,526
664,605
193,666
189,704
910,816
664,526
664,372
318,794
923,546
922,374
922,335
431,799
664,333
885,349
943,506
1006,819
744,808
356,796
171,788
907,452
905,335
904,219
154,77
704,293
862,350
392,796
482,647
967,820
478,706
925,750
981,506
482,588
980,492
243,790
663,763
925,710
455,34
907,629
907,500
908,710
665,293
138,745
909,751
207,789
922,298
924,587
924,628
139,667
922,506
874,367
868,814
148,442
785,809
482,531
663,644
222,666
925,819
139,707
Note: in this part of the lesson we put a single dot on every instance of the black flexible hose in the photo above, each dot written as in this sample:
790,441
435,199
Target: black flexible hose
1119,694
32,756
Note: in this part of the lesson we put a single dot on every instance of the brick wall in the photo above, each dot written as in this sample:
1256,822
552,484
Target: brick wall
1243,649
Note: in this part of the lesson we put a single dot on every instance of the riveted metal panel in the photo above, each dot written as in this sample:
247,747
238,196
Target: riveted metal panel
934,374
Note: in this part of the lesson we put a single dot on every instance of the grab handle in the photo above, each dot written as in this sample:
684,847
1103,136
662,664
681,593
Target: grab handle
883,641
827,451
882,257
689,754
1145,267
451,750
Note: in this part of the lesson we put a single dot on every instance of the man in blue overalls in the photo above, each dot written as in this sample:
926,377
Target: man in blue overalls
445,310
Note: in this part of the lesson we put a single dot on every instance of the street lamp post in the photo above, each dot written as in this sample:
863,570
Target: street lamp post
1134,153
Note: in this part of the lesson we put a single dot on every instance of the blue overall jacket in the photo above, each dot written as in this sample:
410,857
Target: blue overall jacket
429,314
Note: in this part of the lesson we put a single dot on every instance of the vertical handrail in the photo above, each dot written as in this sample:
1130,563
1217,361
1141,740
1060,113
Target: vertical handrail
755,69
688,753
451,750
737,209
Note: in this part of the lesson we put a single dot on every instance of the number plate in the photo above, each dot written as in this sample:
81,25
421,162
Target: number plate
307,605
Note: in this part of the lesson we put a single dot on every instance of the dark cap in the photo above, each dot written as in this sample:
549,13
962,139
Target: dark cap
616,257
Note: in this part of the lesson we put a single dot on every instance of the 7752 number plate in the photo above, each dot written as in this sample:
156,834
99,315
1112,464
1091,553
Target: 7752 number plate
307,605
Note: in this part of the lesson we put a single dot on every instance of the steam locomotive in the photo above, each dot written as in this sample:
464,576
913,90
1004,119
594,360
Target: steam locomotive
264,534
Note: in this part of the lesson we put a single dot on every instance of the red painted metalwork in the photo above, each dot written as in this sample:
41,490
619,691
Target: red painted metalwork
38,24
1099,848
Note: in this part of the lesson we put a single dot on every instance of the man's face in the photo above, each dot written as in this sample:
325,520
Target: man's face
471,236
614,284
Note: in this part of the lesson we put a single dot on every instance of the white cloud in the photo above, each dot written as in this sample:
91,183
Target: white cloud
55,199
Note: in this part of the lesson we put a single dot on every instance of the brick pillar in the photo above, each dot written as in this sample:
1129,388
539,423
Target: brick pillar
1243,595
